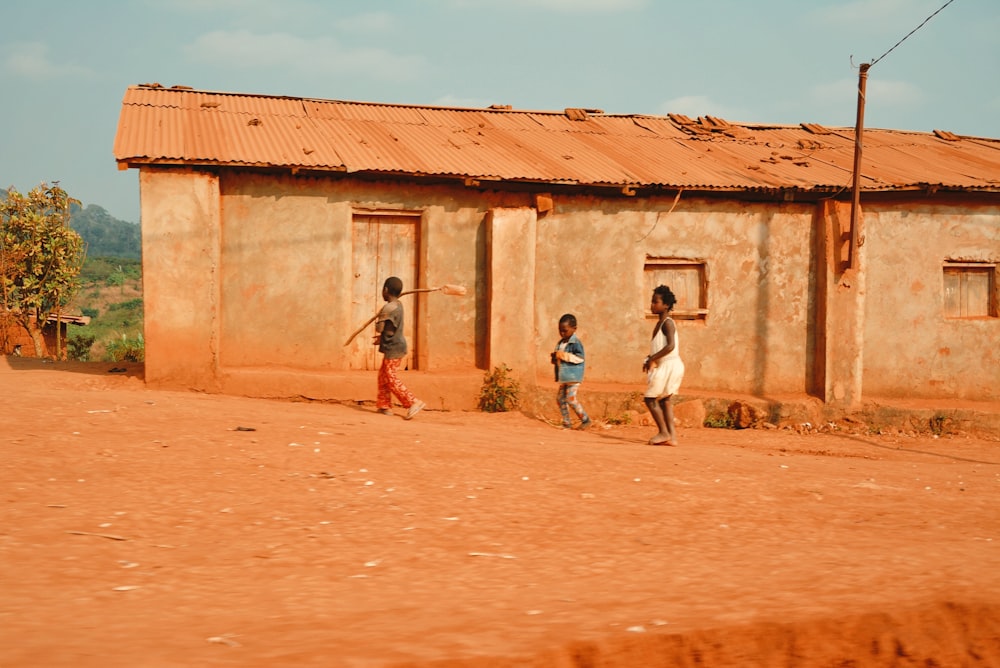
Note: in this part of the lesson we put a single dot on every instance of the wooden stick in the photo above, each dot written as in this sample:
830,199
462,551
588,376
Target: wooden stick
372,319
360,329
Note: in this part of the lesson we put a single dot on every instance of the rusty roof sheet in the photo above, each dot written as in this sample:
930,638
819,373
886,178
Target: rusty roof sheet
182,126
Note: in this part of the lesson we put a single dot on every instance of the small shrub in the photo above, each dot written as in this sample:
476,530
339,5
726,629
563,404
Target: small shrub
939,424
500,392
621,419
625,411
90,312
129,305
719,421
78,347
126,350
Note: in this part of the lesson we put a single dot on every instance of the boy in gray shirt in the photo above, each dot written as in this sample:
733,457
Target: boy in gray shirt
392,344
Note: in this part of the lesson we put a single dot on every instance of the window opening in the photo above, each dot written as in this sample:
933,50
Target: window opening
970,290
687,279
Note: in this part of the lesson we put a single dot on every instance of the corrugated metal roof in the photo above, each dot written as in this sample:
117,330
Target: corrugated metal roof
183,126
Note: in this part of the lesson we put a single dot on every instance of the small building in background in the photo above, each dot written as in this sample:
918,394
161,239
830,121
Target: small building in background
16,340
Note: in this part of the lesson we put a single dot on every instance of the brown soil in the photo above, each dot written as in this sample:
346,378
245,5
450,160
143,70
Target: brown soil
145,528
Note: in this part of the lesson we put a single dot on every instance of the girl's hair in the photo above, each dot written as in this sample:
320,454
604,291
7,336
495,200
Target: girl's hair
666,296
568,319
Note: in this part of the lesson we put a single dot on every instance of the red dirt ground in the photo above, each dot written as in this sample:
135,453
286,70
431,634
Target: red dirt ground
143,528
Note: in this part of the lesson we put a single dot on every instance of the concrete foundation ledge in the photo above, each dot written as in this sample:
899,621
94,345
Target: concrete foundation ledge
934,416
623,404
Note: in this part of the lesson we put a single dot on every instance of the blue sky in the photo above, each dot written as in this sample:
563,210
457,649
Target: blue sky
65,64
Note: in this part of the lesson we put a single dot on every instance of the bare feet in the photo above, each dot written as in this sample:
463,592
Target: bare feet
662,439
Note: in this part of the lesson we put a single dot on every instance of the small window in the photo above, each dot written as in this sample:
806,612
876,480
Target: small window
970,290
687,279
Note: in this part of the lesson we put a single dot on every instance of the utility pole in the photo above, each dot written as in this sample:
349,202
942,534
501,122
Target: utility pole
859,128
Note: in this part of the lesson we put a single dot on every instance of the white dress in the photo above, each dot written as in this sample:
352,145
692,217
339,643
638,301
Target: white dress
665,378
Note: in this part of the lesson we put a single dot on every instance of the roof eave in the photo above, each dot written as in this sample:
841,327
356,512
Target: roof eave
492,181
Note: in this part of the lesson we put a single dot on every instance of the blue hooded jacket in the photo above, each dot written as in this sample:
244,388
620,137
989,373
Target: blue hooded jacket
570,372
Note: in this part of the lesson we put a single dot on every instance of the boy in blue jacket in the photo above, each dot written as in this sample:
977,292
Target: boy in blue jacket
569,364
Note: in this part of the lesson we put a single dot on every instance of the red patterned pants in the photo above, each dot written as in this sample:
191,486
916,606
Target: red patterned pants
389,384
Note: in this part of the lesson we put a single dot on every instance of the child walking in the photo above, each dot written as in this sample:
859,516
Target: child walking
569,364
664,367
392,345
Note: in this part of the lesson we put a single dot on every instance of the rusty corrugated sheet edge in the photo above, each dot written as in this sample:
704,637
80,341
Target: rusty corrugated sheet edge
485,179
368,138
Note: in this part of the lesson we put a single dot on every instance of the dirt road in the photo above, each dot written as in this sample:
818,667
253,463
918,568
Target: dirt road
144,528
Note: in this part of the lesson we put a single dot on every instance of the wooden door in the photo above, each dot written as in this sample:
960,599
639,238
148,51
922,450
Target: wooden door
383,246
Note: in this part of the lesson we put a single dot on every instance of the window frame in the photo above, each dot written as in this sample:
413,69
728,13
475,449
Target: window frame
685,312
964,270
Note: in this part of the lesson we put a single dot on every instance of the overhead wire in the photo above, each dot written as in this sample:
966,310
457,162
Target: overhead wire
911,32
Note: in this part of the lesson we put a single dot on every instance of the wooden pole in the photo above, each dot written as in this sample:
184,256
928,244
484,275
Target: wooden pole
859,128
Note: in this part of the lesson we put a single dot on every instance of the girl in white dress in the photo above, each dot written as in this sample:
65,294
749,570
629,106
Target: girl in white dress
664,368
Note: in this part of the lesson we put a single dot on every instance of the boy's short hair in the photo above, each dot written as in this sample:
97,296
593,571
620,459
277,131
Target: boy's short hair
569,319
394,286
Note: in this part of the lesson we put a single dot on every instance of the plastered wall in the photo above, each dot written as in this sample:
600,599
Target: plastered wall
911,348
254,271
755,336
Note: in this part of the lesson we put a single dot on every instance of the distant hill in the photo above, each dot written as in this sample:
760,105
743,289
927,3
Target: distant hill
105,235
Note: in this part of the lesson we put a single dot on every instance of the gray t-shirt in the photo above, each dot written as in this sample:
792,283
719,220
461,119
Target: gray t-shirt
392,346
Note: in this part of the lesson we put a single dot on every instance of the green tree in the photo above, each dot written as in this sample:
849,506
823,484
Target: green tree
40,258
